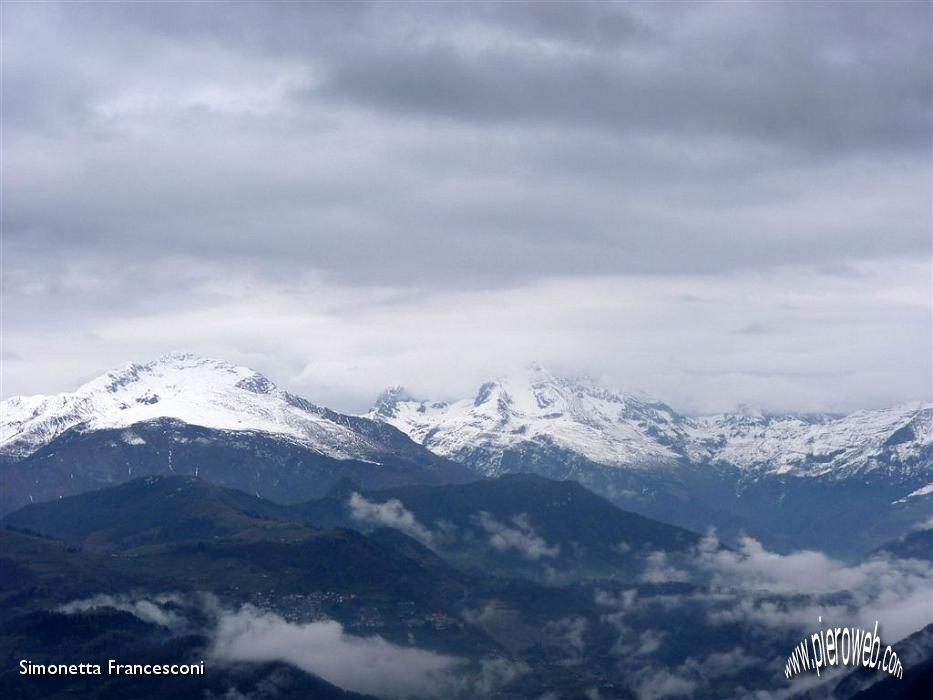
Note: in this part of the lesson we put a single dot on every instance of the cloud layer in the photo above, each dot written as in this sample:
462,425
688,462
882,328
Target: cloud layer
895,592
709,200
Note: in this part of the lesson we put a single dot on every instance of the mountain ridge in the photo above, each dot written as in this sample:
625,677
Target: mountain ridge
514,525
632,430
183,414
763,475
768,476
205,392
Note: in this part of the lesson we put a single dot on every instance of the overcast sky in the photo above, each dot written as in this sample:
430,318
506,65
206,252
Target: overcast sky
714,203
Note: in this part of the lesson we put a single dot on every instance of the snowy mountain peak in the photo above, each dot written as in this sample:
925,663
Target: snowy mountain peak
387,402
536,406
535,410
196,390
170,367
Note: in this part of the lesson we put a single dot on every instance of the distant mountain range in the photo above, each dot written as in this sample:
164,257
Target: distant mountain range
842,484
615,429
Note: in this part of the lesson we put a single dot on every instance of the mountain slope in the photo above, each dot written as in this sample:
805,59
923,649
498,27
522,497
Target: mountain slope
189,415
37,571
915,653
764,475
917,544
615,429
154,510
516,524
189,389
898,440
531,639
536,407
211,535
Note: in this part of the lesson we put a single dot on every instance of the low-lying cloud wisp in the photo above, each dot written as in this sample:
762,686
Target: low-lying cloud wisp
523,538
392,513
362,664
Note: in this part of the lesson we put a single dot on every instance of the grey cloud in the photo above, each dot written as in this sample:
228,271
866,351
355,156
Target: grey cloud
496,618
836,350
823,75
363,664
493,674
392,513
726,663
632,643
827,90
223,172
752,329
370,665
892,591
659,569
774,599
567,632
585,23
523,538
660,683
147,610
192,158
694,676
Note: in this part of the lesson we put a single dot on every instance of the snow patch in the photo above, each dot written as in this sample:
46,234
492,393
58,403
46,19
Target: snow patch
922,491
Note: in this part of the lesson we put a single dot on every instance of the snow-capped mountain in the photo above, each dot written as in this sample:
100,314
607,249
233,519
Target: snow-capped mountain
536,407
898,438
187,414
194,390
619,430
771,476
775,476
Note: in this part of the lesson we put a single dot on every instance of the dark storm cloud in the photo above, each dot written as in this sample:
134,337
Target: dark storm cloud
564,137
818,76
790,74
162,156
